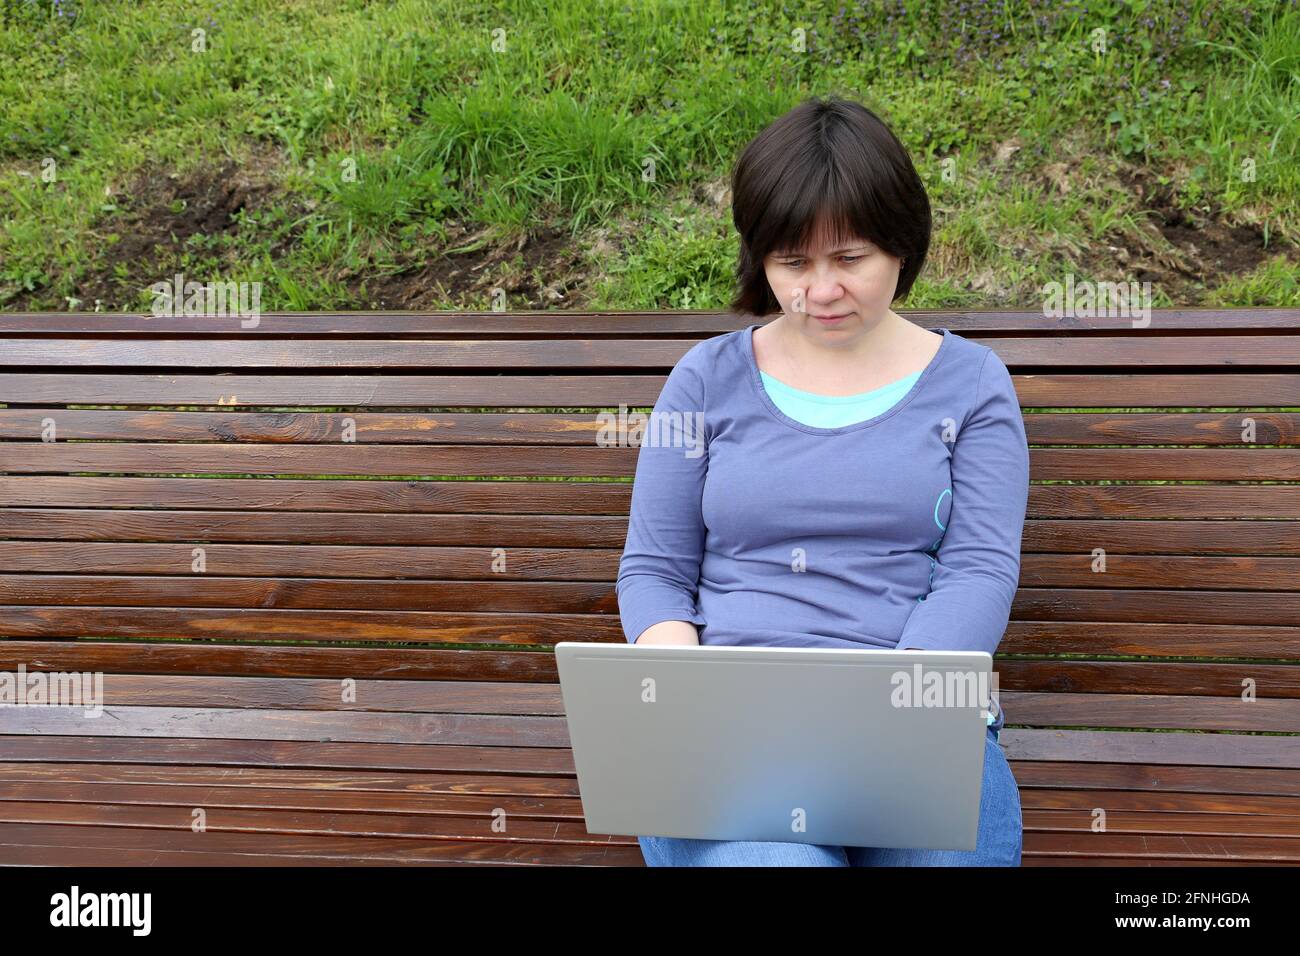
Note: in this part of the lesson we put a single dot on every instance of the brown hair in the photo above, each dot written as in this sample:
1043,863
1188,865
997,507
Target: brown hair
834,165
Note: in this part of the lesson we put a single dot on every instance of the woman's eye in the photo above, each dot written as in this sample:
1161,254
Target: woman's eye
795,264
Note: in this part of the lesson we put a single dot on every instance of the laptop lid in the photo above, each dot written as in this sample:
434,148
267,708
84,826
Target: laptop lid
833,746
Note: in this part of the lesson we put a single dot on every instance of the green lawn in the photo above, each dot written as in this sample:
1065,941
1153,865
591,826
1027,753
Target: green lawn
419,153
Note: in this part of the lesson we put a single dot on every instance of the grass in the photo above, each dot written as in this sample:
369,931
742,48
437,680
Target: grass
375,139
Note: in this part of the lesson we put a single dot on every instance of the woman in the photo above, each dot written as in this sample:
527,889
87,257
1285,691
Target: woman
864,480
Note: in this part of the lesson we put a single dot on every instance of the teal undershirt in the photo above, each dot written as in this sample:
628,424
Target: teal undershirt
835,411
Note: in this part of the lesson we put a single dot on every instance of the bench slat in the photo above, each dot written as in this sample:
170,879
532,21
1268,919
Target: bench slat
1093,351
409,849
586,564
352,755
1045,464
1190,849
590,391
467,324
496,428
1041,535
589,497
587,615
1277,709
553,323
473,821
1061,676
362,781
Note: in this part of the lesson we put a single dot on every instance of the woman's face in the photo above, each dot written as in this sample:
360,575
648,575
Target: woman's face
853,279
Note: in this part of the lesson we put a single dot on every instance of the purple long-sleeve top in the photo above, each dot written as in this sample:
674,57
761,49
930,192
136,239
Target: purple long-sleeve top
902,530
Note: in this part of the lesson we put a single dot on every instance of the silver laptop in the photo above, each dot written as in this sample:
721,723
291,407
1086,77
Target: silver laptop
875,748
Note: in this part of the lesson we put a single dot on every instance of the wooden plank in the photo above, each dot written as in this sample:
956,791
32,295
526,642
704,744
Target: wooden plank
484,562
359,391
519,698
541,531
1080,464
586,322
166,792
11,855
1139,606
1077,680
1034,859
350,459
1232,783
1191,848
363,783
1162,802
1137,536
550,324
494,354
497,851
1144,390
498,612
564,612
472,821
1152,390
1207,680
1164,501
1119,536
1237,572
1261,754
368,428
407,496
1160,464
1277,709
273,660
494,428
172,794
1149,711
452,627
476,730
1166,789
475,820
1177,822
1173,747
289,494
507,761
1092,352
1151,428
1214,749
501,559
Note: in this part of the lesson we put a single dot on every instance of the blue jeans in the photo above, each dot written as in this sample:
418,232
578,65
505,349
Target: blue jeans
997,844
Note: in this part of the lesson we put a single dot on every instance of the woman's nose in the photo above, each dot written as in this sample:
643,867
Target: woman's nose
824,288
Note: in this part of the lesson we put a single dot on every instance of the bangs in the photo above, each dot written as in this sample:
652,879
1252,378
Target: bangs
827,195
811,221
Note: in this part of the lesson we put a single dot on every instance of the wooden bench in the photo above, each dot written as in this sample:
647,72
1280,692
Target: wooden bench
441,597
